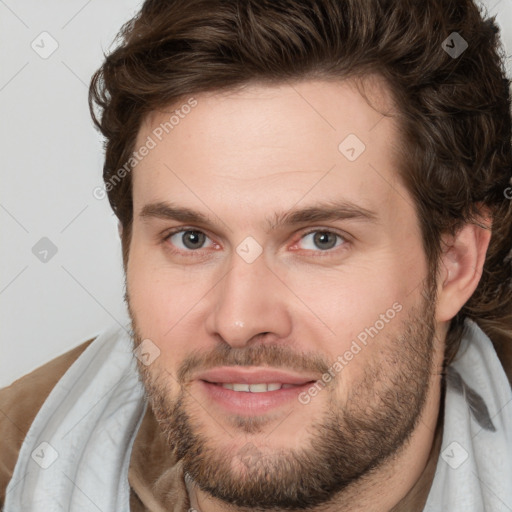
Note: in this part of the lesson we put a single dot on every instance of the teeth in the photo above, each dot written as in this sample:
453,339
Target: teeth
256,388
241,387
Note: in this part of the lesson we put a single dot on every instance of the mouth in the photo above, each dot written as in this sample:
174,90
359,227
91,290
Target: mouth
252,391
255,388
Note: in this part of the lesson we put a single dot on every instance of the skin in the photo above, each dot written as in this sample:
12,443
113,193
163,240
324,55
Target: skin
240,157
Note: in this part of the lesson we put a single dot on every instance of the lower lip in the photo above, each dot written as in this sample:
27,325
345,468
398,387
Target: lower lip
247,403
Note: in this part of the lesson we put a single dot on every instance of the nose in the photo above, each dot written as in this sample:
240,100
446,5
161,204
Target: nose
249,301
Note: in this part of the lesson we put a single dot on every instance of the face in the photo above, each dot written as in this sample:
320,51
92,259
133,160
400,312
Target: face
276,270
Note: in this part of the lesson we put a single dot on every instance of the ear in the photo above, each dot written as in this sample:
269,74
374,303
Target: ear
120,229
461,265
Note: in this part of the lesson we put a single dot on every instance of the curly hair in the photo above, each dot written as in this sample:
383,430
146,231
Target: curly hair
454,110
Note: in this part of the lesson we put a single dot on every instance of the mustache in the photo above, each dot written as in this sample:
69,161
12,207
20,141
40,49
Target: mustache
275,356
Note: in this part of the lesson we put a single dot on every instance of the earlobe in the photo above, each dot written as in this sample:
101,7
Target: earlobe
462,261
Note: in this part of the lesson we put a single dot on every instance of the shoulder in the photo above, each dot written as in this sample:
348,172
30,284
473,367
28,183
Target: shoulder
19,405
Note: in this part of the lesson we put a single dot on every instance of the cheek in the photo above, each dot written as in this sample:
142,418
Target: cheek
364,307
154,300
349,299
167,304
156,309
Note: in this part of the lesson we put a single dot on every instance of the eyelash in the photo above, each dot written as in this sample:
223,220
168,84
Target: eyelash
317,253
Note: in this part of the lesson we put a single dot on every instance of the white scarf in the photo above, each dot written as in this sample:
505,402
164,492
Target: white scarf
474,471
87,426
76,455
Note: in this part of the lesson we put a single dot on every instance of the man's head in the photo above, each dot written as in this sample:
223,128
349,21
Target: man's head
248,290
305,191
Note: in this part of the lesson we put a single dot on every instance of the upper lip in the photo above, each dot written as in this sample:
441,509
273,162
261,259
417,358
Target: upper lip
256,375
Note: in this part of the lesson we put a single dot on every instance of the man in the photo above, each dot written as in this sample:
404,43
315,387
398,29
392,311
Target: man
316,238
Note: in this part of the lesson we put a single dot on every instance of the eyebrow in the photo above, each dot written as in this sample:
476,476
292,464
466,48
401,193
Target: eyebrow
321,212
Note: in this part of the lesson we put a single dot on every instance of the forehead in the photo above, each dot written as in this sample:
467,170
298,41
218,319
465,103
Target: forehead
261,112
275,144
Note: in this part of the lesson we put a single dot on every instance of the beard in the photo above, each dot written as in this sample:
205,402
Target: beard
350,440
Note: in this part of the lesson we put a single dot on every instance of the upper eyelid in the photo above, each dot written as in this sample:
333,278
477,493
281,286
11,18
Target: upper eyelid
326,230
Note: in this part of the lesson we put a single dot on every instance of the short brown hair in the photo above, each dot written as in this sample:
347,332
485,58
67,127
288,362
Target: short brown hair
455,118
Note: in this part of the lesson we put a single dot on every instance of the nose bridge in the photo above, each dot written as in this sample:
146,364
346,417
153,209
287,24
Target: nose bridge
248,301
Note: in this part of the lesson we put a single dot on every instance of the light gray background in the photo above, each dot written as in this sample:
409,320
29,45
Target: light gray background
51,161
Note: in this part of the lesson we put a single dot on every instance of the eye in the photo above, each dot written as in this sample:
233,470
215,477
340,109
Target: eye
190,240
187,239
322,239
